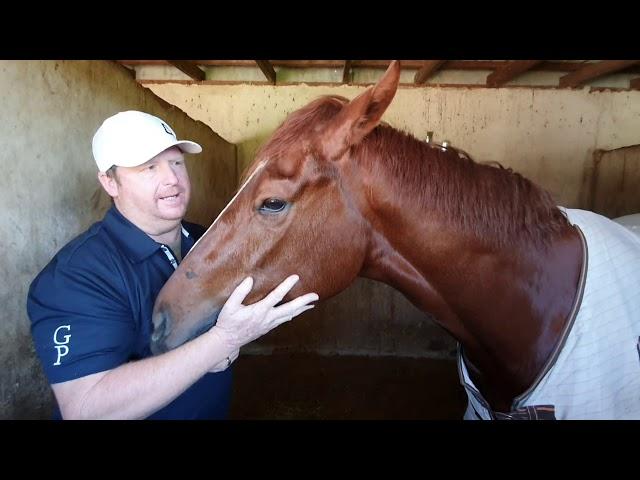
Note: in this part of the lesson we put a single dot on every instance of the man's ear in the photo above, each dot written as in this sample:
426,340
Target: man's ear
109,183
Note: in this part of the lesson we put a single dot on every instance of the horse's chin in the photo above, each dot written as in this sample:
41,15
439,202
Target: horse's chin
204,326
173,340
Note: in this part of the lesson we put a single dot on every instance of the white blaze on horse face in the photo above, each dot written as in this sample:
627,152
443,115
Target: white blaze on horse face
258,168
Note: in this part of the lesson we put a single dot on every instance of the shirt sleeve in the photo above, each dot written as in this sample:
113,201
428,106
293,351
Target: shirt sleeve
81,322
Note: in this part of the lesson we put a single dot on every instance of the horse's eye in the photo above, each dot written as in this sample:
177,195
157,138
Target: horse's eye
273,205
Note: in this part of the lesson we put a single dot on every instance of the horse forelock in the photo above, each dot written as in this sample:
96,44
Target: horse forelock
299,122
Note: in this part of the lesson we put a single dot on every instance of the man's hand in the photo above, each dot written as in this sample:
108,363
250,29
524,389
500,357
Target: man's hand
239,325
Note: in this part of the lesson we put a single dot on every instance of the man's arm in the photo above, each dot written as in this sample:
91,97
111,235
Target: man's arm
138,389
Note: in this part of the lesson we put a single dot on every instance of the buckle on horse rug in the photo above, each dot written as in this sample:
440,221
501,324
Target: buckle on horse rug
532,412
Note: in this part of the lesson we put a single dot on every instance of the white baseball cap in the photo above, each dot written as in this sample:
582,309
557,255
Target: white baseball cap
129,139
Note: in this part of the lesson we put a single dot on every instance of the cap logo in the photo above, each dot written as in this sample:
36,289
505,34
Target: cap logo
166,128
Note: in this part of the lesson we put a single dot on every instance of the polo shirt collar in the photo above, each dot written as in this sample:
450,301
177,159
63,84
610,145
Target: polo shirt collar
134,242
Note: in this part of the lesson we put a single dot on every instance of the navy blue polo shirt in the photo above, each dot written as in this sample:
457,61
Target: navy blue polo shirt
91,307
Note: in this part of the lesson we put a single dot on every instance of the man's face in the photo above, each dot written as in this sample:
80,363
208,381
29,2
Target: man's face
155,194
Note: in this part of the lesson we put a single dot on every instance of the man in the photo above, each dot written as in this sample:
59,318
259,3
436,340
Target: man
91,306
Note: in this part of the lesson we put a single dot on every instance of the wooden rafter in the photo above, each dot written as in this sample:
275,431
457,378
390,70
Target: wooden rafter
346,73
429,67
268,70
190,68
500,72
509,71
127,68
546,66
594,70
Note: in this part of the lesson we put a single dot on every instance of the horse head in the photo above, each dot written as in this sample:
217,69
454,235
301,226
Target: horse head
300,210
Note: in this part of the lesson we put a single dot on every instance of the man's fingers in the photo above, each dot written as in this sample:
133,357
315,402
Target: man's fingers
286,318
286,312
239,294
279,292
294,304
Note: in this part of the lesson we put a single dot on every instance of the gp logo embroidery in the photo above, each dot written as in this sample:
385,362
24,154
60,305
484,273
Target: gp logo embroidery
61,345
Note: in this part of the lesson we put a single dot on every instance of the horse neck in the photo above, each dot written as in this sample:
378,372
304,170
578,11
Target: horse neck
506,307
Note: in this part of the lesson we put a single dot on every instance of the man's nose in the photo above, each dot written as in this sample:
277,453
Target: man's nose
169,176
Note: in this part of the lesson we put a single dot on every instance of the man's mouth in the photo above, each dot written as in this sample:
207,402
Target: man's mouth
170,198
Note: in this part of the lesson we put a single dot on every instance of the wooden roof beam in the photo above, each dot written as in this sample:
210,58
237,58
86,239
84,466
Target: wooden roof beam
429,67
130,70
346,73
268,70
547,66
190,68
509,71
594,70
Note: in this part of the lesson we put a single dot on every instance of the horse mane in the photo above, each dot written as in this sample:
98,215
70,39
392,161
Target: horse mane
490,202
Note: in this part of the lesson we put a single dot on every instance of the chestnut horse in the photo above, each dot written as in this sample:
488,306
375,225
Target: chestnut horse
543,301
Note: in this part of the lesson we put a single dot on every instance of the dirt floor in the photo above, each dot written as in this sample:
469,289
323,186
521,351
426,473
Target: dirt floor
317,387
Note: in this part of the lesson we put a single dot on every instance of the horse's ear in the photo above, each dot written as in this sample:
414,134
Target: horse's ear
362,114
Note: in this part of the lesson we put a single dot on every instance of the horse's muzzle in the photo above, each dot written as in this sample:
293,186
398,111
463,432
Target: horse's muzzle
168,334
161,330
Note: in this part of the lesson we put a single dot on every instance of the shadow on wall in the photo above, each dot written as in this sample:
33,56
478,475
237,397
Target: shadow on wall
247,151
100,202
34,401
614,181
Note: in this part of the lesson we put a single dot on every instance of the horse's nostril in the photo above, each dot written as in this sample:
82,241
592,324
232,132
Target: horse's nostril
161,326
